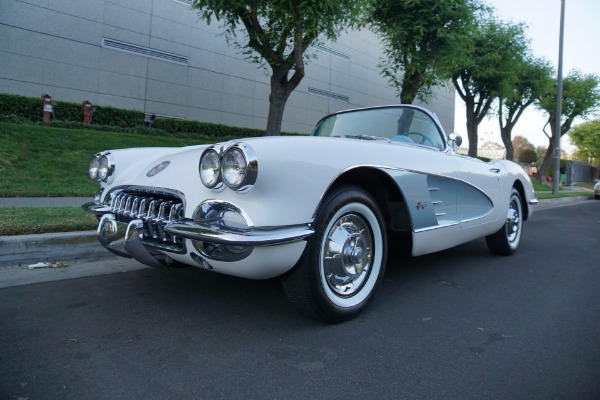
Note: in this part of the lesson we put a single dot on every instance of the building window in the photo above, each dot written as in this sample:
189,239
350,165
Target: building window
330,95
331,51
144,51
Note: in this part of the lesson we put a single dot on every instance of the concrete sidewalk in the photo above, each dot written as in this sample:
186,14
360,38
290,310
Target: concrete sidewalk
68,246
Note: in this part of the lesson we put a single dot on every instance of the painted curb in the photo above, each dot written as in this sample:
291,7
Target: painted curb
27,249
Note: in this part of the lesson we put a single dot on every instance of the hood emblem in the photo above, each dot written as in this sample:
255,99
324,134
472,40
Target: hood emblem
158,168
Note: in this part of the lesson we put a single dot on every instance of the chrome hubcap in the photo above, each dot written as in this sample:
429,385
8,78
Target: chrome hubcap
348,254
513,222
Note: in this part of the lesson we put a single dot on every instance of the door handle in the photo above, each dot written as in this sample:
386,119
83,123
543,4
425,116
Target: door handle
495,170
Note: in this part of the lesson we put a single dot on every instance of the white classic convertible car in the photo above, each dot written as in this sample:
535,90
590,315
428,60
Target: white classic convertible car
320,211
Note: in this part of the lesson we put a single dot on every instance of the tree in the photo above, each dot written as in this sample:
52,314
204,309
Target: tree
278,33
521,143
581,97
486,62
419,39
586,137
527,156
530,81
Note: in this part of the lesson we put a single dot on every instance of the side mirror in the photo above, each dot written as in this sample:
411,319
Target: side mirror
455,140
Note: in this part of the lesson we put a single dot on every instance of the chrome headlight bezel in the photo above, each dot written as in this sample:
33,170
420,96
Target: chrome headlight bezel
245,171
105,168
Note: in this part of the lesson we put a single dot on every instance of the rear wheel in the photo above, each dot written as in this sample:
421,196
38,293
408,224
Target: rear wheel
506,241
344,261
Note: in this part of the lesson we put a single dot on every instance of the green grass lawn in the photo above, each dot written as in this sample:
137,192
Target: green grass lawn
564,194
26,220
38,161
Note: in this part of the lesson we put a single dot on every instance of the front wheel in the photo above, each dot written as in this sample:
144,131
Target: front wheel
344,261
507,239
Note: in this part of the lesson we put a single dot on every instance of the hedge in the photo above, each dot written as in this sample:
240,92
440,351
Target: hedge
21,109
30,108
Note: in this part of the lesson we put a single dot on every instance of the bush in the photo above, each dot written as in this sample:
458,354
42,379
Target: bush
181,126
30,108
22,109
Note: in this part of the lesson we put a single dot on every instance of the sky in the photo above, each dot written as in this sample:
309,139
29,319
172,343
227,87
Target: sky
581,51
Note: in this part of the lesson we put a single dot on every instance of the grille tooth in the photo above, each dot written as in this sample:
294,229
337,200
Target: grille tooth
135,205
142,207
128,203
161,222
175,212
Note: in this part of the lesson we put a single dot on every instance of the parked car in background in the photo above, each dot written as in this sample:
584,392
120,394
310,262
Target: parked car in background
597,190
320,211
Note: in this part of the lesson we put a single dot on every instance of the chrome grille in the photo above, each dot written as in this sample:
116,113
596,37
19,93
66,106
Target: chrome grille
155,210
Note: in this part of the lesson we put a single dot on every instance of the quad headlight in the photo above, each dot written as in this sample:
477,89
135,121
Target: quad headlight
210,168
235,167
94,167
102,167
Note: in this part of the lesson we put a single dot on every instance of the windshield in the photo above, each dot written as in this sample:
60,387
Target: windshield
400,124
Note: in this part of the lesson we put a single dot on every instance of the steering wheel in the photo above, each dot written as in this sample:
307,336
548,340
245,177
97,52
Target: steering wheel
424,139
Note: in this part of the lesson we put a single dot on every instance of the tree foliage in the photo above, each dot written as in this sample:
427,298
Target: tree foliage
586,137
531,79
581,97
527,156
420,41
487,62
278,33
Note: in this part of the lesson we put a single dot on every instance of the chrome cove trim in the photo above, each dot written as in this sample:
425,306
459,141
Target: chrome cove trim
211,231
431,228
383,167
464,221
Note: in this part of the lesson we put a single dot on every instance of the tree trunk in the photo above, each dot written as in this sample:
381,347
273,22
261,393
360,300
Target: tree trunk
281,88
472,125
506,133
544,168
410,87
276,108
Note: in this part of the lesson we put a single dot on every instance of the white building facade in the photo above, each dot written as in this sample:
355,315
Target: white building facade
158,57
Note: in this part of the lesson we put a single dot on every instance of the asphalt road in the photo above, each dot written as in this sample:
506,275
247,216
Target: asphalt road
459,324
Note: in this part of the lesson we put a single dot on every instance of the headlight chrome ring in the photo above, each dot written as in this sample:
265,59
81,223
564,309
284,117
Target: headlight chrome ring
102,167
236,167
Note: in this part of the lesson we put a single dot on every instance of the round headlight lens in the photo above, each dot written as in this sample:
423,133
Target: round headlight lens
94,168
235,167
209,168
103,168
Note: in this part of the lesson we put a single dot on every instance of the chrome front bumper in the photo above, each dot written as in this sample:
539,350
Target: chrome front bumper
214,232
210,237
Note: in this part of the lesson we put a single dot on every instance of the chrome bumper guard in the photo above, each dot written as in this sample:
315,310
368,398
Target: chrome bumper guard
125,240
